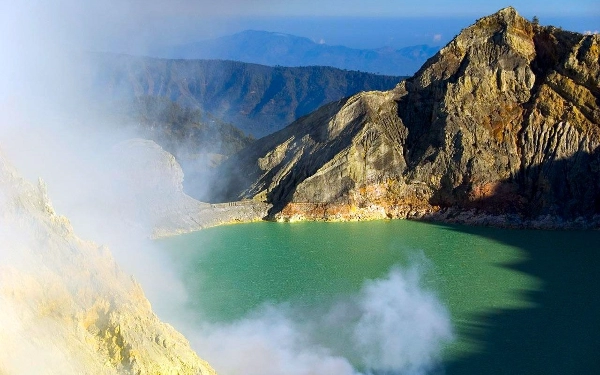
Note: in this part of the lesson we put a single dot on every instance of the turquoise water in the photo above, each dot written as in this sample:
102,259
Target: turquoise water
519,301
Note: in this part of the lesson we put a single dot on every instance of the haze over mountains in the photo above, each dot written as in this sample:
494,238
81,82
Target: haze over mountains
255,98
272,49
205,110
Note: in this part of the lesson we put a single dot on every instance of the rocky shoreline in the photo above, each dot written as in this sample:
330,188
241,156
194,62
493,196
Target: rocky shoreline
511,221
294,212
214,215
251,211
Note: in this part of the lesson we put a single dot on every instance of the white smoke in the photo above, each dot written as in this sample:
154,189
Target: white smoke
402,328
392,326
267,343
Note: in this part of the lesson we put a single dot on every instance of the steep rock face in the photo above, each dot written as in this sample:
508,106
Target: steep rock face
504,119
66,306
326,147
463,109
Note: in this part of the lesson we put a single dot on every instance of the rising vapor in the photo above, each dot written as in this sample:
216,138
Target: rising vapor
392,326
402,328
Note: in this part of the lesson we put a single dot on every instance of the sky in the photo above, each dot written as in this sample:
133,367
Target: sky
135,26
373,8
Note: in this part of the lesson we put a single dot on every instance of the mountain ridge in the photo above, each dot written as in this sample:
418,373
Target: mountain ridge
273,48
255,98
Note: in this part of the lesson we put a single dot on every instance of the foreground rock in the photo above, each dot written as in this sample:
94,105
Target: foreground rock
66,306
503,122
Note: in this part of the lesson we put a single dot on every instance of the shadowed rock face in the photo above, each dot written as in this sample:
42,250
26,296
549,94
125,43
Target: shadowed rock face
504,119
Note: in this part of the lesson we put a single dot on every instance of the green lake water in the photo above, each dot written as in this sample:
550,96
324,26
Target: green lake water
520,301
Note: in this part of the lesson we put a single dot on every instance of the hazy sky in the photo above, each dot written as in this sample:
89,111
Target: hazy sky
356,23
376,8
133,26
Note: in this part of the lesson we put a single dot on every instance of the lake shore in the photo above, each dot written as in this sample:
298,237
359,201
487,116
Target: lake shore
211,216
343,212
251,211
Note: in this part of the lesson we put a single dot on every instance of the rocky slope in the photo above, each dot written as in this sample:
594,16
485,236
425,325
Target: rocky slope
257,99
180,129
66,306
504,120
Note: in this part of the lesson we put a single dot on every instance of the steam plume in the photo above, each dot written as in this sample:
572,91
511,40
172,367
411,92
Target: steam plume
392,326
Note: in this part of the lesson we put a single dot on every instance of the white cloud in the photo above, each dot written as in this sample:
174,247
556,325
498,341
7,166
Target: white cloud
437,37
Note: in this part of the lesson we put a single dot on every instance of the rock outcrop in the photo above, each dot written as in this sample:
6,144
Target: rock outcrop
66,307
504,120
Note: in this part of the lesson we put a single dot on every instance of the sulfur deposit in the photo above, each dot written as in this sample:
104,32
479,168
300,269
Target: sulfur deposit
66,307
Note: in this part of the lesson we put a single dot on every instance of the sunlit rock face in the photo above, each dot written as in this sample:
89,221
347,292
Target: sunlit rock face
504,120
66,306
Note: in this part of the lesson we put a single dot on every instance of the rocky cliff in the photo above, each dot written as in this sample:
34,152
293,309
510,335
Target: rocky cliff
66,306
504,120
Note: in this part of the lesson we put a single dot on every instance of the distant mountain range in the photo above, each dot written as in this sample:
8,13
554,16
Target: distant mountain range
269,48
255,98
196,108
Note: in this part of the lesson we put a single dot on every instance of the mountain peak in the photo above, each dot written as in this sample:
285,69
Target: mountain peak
505,20
506,17
507,13
503,38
